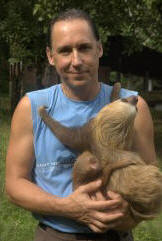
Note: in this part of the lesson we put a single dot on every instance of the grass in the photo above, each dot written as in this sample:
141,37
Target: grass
149,231
17,224
152,230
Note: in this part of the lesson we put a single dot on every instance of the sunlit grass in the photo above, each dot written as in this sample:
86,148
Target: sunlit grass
149,231
16,224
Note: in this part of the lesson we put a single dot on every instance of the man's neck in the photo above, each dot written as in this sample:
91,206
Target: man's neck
82,93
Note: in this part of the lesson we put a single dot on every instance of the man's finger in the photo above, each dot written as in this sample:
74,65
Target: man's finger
100,196
96,229
100,226
113,195
105,205
107,218
91,187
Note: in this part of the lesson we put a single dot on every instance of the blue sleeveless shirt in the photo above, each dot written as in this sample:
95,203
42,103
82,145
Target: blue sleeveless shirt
53,162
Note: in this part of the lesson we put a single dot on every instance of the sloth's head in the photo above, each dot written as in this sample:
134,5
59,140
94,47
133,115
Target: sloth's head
121,110
114,123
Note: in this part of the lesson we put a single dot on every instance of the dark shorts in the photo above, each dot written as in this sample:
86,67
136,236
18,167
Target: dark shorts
44,233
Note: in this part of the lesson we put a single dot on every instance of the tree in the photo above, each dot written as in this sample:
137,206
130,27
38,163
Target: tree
24,38
141,20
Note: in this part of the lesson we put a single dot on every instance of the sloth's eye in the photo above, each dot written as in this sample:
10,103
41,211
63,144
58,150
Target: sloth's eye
124,100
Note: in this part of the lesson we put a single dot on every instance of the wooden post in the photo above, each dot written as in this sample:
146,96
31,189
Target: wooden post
15,91
149,85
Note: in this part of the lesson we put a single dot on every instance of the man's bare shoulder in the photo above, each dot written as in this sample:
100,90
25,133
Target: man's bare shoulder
144,133
22,117
144,115
20,148
142,104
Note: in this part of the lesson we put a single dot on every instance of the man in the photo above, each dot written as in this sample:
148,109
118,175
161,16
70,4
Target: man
39,167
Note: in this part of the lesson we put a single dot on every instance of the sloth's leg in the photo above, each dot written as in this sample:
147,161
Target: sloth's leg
75,138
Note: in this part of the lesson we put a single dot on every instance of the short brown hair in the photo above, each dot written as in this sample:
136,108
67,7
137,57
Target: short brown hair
69,15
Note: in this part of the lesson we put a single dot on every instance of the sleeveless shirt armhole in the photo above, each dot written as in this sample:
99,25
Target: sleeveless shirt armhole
124,93
33,110
37,99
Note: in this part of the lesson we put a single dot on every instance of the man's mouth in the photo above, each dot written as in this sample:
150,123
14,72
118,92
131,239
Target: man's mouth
76,72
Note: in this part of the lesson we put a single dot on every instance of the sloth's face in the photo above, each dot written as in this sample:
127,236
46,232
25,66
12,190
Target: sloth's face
119,115
127,106
122,109
114,123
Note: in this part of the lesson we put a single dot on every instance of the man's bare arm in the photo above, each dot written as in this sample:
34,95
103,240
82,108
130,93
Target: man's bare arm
19,163
144,133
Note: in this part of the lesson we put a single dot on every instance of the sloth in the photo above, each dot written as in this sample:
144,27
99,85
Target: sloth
104,145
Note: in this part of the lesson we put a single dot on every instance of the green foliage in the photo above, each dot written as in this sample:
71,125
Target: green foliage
21,30
141,20
23,23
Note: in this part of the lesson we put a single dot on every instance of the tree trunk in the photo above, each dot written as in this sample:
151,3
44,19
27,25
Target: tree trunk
15,86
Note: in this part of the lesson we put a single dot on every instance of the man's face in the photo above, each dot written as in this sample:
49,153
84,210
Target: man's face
75,52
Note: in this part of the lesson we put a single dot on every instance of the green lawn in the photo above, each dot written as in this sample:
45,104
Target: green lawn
17,224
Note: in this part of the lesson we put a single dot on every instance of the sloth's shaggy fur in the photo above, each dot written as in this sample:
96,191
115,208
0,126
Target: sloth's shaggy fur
105,145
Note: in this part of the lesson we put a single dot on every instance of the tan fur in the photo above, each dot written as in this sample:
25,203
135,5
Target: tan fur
141,185
105,143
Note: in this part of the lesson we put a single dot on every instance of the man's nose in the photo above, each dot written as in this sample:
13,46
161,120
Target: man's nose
76,58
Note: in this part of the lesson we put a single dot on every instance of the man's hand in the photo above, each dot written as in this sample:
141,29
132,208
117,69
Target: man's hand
98,215
102,214
125,222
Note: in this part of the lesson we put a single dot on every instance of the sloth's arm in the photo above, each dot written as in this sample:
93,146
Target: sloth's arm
75,138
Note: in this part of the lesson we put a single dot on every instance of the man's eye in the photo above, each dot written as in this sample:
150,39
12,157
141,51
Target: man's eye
84,48
65,51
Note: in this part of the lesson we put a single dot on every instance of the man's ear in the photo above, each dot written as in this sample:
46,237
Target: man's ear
100,49
50,56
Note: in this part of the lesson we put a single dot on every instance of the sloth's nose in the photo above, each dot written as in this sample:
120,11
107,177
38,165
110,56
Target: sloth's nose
133,99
